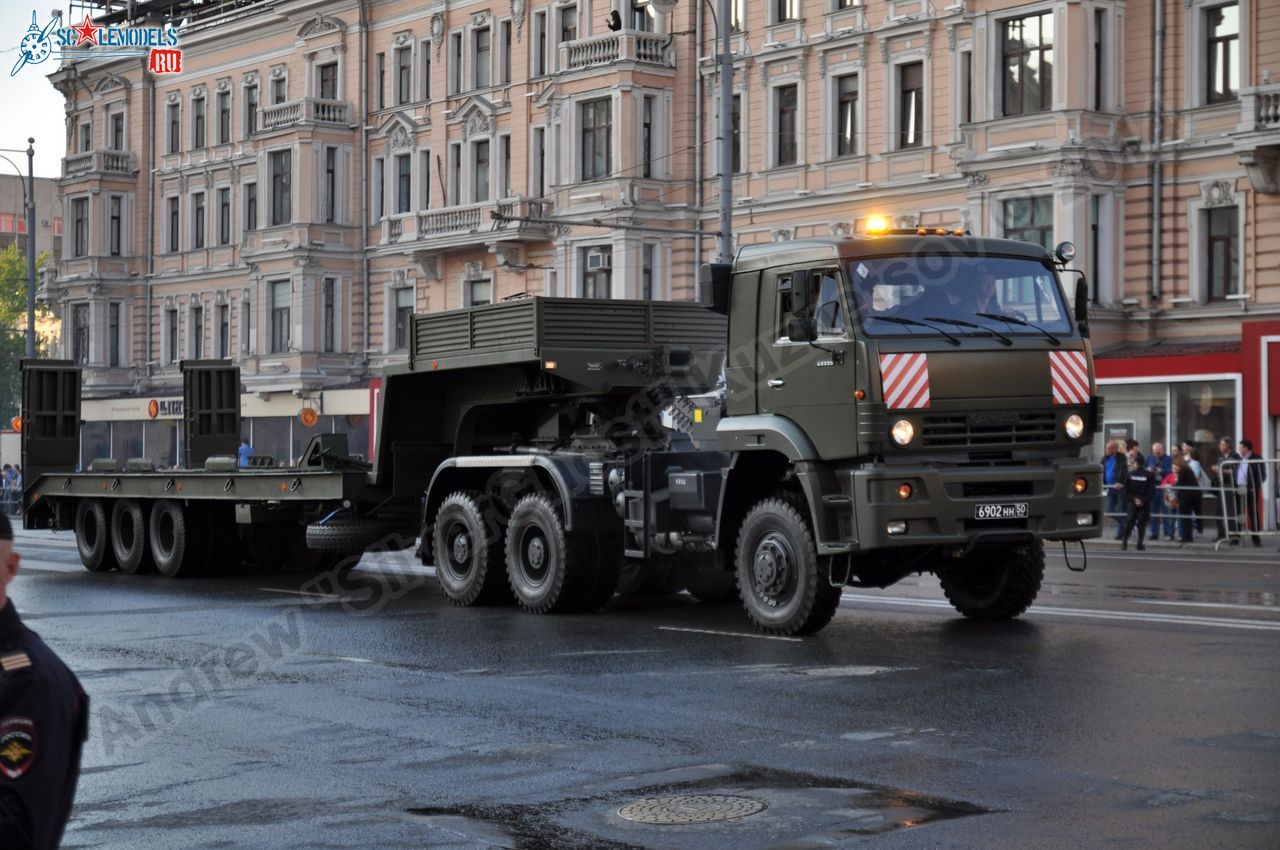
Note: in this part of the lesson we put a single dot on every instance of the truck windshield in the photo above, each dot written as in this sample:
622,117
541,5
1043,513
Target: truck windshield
935,290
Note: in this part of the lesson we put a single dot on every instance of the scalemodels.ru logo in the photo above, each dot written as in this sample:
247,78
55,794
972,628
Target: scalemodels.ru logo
90,40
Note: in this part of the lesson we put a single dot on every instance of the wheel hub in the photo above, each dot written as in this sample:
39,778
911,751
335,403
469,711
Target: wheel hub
536,553
771,567
461,548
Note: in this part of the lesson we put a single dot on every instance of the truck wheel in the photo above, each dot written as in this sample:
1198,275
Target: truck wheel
93,536
348,535
469,555
780,578
176,540
546,565
129,537
995,585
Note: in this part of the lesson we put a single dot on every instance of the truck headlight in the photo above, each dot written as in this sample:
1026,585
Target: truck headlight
1074,426
902,432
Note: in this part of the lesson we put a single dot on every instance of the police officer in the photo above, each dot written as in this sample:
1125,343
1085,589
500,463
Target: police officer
44,717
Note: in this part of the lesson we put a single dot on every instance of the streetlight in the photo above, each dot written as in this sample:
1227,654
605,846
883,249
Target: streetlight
722,21
29,199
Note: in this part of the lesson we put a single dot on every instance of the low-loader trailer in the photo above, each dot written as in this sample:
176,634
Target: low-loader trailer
841,412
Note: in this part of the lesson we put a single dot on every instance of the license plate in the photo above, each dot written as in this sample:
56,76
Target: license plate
1009,510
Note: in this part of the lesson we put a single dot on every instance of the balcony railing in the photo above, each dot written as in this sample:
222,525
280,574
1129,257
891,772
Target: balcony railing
453,225
642,47
306,111
98,162
1266,109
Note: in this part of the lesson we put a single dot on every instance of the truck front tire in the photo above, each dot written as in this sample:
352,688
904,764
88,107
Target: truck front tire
994,584
468,556
93,536
780,579
547,566
129,537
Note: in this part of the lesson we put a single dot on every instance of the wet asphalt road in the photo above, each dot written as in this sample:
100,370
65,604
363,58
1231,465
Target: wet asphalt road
1137,704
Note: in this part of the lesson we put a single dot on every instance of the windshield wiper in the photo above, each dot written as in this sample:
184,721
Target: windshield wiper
1018,320
903,320
961,323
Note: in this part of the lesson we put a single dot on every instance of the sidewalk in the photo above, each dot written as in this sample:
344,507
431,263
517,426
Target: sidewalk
1200,544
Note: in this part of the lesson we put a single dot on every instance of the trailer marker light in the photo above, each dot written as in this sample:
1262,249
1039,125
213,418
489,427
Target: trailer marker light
435,364
697,415
904,490
898,526
283,486
104,485
549,365
859,394
1081,485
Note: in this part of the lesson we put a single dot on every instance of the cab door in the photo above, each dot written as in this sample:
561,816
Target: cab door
808,383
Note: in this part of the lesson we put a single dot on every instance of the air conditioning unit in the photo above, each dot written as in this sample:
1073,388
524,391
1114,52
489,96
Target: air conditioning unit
597,260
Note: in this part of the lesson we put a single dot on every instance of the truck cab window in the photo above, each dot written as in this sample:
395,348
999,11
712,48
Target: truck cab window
823,304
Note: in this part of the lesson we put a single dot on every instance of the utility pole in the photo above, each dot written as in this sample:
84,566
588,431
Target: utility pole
31,248
723,23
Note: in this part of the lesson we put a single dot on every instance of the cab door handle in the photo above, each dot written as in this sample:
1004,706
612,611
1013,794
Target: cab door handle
776,382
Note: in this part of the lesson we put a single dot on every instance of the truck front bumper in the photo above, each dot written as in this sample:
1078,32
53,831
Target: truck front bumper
942,505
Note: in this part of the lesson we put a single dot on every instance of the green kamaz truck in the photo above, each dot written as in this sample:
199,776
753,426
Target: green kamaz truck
841,412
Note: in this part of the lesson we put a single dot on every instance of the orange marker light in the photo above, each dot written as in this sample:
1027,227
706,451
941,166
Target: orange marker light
859,394
877,225
16,424
283,487
1081,485
904,490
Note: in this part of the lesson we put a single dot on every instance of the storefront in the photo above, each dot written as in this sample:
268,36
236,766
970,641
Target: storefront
152,427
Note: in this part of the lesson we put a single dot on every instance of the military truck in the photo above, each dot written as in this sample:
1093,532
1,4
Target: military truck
882,405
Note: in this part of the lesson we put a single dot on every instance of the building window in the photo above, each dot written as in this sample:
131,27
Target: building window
115,225
250,110
329,315
480,181
117,131
479,292
224,216
404,183
424,180
482,58
80,333
1099,56
847,115
174,113
196,331
966,87
79,227
455,174
197,220
504,151
786,10
328,74
1028,64
540,44
379,189
380,62
643,17
424,50
737,134
596,139
403,317
785,102
568,24
114,333
330,184
1223,232
911,105
455,62
224,330
197,123
646,271
86,137
404,75
224,117
171,322
646,134
597,272
280,324
1222,24
281,176
250,206
174,222
538,184
279,90
504,55
1030,220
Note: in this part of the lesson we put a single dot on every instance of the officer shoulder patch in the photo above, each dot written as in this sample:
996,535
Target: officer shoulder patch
17,746
12,661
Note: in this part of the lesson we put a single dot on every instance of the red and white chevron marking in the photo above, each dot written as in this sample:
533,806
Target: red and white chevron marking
905,379
1070,376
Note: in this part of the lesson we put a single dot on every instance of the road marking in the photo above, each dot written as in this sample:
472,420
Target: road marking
1270,609
607,652
305,593
1085,613
728,634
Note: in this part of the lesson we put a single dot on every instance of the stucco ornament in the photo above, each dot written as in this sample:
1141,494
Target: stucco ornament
1217,193
517,15
400,138
437,32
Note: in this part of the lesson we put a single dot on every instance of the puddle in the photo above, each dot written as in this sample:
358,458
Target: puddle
796,810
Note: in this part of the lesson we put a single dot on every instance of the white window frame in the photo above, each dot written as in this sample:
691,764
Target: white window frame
1194,49
771,119
192,331
126,206
894,121
1197,212
422,179
408,97
831,110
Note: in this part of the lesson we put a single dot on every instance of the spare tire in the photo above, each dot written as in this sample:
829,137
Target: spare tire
353,535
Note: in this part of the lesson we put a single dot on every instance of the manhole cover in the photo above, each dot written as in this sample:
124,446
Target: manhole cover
699,808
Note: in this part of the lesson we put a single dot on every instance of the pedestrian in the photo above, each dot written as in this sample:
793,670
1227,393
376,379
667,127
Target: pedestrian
1113,469
6,481
1133,448
17,489
1188,490
1192,457
1140,486
1160,465
245,451
1250,476
44,720
1222,472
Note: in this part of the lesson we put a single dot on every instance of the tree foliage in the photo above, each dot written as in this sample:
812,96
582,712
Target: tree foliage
13,325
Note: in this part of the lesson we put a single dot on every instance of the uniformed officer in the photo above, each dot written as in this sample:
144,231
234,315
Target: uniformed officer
44,717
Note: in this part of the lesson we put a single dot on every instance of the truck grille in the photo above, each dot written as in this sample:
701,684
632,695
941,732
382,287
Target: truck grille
966,431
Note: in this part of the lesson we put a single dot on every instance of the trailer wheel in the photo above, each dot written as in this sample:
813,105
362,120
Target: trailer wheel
129,537
995,584
545,564
176,542
353,535
780,579
93,536
469,554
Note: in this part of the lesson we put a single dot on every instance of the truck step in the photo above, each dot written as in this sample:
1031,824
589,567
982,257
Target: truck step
635,526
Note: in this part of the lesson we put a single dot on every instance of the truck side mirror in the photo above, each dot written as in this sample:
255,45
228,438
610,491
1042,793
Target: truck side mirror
716,280
1082,306
801,330
799,291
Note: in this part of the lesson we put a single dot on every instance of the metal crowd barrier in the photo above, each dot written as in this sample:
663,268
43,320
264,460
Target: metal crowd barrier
1248,510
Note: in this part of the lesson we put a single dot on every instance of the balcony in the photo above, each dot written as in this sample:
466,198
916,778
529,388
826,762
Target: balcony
1258,144
309,110
641,48
467,226
102,162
